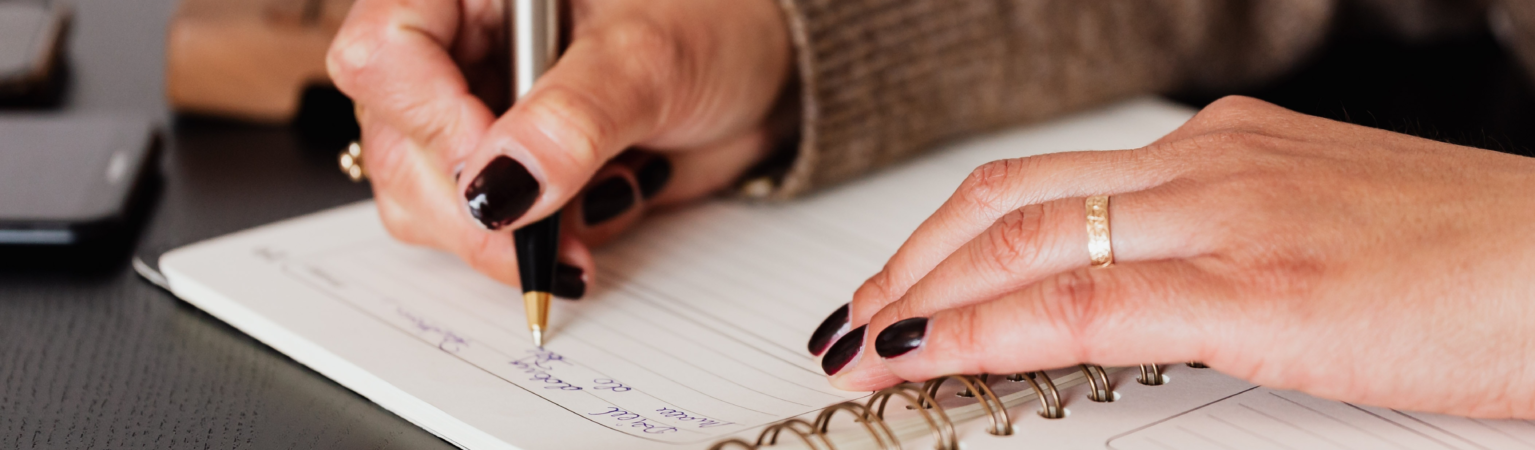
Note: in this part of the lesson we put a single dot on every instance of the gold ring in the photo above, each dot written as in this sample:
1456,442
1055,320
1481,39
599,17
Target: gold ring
351,162
1099,246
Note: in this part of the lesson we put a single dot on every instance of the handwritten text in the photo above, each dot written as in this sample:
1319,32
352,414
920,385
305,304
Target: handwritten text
447,341
634,421
539,364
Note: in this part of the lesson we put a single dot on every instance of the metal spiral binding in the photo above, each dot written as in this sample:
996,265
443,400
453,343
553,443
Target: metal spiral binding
937,420
924,400
813,435
732,442
804,430
1049,398
1098,380
1001,424
966,392
874,424
1151,375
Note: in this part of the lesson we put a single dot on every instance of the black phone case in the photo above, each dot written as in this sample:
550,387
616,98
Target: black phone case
74,181
31,42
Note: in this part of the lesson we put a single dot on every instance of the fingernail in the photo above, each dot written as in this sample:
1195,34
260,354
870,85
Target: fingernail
568,282
607,200
834,324
843,352
653,176
901,337
502,193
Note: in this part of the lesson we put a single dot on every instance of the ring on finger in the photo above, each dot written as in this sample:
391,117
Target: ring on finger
1100,248
351,162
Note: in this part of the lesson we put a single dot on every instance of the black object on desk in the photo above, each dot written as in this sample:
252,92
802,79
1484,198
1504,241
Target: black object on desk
72,180
31,34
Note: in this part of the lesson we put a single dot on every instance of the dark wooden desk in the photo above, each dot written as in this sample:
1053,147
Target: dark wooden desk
101,359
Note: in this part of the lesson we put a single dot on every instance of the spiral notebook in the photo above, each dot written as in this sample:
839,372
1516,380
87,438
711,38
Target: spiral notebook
694,335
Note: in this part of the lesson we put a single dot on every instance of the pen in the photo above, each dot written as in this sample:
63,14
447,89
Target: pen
535,41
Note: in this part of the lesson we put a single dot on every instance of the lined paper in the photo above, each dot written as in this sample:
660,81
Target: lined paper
695,330
1262,418
664,359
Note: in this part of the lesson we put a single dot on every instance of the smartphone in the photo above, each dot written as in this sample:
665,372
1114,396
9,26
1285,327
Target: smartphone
31,34
72,180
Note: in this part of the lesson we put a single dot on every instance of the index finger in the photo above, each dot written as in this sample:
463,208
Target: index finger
391,56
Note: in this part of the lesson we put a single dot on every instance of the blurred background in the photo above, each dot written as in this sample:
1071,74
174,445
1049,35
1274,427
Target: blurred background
226,106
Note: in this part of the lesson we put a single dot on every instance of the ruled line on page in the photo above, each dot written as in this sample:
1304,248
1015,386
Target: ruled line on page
403,277
504,326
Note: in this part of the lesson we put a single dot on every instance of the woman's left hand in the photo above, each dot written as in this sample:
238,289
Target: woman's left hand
1290,251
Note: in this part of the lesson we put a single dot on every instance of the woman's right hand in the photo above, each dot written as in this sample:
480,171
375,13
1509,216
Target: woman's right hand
690,81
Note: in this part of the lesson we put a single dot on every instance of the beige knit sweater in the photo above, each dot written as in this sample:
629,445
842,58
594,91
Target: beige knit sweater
881,80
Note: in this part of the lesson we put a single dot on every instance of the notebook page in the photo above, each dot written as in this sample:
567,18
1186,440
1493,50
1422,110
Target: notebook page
695,331
1262,418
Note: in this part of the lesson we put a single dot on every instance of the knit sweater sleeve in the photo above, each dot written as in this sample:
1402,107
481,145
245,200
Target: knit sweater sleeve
881,80
1513,21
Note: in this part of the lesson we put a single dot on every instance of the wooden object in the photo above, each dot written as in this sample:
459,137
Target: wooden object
249,59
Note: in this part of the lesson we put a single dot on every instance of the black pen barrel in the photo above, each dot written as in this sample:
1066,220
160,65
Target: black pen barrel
538,249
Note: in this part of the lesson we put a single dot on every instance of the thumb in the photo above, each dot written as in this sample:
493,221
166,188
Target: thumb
598,100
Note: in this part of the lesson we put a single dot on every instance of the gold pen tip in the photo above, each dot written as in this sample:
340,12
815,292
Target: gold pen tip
537,304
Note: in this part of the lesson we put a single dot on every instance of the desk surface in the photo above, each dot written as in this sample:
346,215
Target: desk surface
100,359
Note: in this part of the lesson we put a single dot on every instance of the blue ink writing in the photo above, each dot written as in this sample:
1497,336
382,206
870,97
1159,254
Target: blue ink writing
448,341
633,420
539,364
683,416
610,385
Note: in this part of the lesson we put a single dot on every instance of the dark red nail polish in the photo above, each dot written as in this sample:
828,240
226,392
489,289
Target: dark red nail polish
843,351
606,200
568,282
901,337
653,176
834,324
502,193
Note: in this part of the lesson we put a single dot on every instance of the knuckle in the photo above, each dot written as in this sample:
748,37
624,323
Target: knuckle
578,123
651,44
890,314
965,331
339,73
428,126
877,291
1234,104
1072,305
986,189
1228,112
657,59
1016,241
347,55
